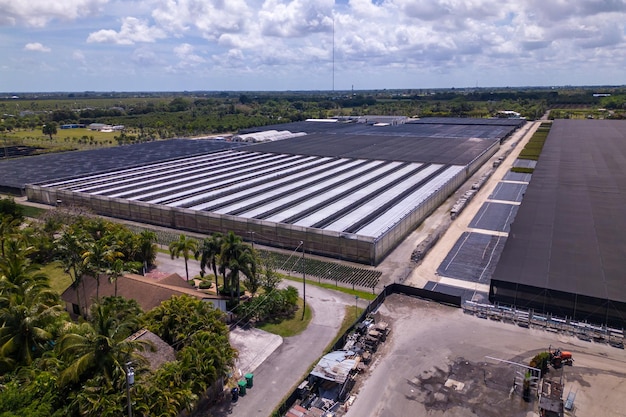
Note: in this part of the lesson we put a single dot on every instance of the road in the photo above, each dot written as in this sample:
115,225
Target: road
287,365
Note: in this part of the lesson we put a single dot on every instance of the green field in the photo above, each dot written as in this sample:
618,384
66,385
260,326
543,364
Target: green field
65,139
59,280
292,326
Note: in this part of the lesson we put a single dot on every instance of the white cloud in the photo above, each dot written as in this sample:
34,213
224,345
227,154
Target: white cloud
373,39
185,52
36,47
78,56
295,18
40,12
210,17
133,30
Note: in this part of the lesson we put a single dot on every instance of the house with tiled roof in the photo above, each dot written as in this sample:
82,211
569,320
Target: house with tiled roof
147,291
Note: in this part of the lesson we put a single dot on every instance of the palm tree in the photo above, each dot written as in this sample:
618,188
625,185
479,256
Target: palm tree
208,253
237,256
27,309
69,251
99,257
100,347
25,323
147,248
17,273
116,270
8,227
183,246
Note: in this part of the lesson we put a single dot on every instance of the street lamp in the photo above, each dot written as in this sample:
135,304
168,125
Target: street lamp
130,380
356,307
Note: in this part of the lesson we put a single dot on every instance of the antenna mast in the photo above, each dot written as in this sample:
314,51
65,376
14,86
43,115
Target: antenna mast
333,50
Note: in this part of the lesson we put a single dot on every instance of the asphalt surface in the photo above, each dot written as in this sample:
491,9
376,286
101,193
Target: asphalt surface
286,364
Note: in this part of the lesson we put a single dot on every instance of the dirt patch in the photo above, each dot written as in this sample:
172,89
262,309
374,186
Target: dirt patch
482,388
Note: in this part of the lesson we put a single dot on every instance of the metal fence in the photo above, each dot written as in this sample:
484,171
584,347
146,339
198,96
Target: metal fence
290,400
529,318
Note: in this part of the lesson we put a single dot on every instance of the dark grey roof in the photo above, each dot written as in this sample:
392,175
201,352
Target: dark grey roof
16,173
161,352
439,128
454,151
570,231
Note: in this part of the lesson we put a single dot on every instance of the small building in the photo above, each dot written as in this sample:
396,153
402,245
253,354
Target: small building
148,292
162,352
96,126
509,114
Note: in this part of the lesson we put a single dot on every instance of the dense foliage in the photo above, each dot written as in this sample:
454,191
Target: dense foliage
52,366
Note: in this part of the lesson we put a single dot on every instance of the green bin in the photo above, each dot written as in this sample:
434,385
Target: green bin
242,388
249,380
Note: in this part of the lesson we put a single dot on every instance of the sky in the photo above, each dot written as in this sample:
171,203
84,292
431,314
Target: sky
281,45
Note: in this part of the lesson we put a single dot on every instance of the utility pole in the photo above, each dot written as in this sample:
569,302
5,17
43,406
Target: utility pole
303,282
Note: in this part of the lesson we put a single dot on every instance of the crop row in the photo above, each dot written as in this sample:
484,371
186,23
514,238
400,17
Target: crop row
533,148
331,271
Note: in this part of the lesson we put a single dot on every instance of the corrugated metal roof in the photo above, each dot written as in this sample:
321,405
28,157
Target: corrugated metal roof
335,366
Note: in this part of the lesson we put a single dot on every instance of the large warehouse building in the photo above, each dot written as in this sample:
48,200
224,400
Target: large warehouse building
566,250
350,189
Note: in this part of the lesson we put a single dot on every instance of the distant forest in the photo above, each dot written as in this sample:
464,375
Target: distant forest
152,116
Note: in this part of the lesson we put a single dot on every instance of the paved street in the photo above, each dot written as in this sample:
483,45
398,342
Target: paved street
285,367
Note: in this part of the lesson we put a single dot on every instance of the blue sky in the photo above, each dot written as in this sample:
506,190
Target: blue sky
173,45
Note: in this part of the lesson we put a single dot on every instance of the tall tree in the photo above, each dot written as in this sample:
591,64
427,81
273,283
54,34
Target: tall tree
49,129
100,346
237,257
208,252
147,249
99,257
70,251
8,227
184,246
28,309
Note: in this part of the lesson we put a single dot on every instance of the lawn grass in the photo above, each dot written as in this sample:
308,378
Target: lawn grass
350,317
366,295
59,280
292,326
32,212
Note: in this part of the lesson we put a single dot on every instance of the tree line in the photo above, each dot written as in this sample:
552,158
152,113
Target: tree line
159,116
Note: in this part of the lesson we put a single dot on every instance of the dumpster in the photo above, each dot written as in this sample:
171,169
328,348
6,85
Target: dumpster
234,394
249,380
242,388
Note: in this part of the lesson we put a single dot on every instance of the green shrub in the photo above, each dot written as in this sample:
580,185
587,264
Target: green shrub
205,285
